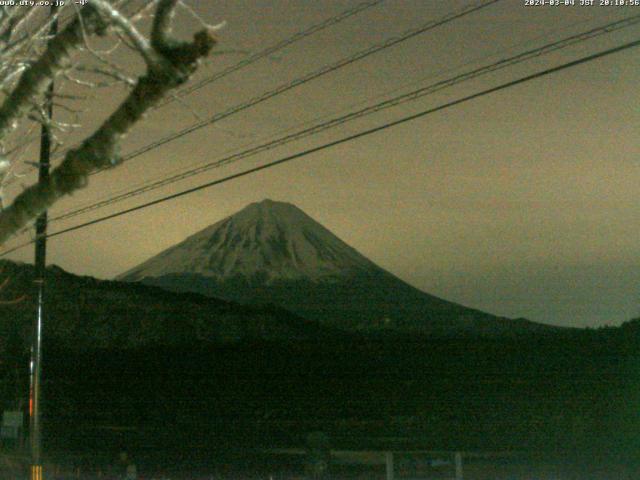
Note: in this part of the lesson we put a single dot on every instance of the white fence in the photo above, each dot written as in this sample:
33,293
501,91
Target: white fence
405,464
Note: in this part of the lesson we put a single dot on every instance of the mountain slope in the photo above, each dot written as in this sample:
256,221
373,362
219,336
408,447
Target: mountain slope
86,313
265,242
272,252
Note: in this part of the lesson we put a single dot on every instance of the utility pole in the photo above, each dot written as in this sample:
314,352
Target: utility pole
35,427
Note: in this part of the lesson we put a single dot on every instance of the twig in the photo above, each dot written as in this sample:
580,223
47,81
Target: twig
173,64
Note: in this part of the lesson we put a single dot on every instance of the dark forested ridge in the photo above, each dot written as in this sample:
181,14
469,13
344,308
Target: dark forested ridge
565,395
86,313
131,364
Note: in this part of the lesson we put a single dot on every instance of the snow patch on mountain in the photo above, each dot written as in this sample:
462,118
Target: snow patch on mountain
266,241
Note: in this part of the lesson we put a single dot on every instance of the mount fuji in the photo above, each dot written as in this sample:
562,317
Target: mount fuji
274,253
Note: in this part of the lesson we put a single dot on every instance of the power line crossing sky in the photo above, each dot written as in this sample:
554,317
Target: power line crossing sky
520,203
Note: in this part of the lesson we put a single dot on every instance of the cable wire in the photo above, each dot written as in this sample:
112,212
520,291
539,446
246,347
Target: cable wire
291,128
469,9
261,54
275,48
398,100
342,140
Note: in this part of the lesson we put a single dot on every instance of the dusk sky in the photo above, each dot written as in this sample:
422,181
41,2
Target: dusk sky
521,203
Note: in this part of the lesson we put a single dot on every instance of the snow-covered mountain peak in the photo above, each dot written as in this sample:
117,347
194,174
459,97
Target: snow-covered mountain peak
273,252
266,241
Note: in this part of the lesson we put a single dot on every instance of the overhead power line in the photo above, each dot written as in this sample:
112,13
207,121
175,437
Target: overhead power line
407,35
279,90
298,36
343,140
421,92
275,48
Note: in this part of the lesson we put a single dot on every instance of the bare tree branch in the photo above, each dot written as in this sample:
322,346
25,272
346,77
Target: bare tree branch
36,78
173,62
114,74
123,24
